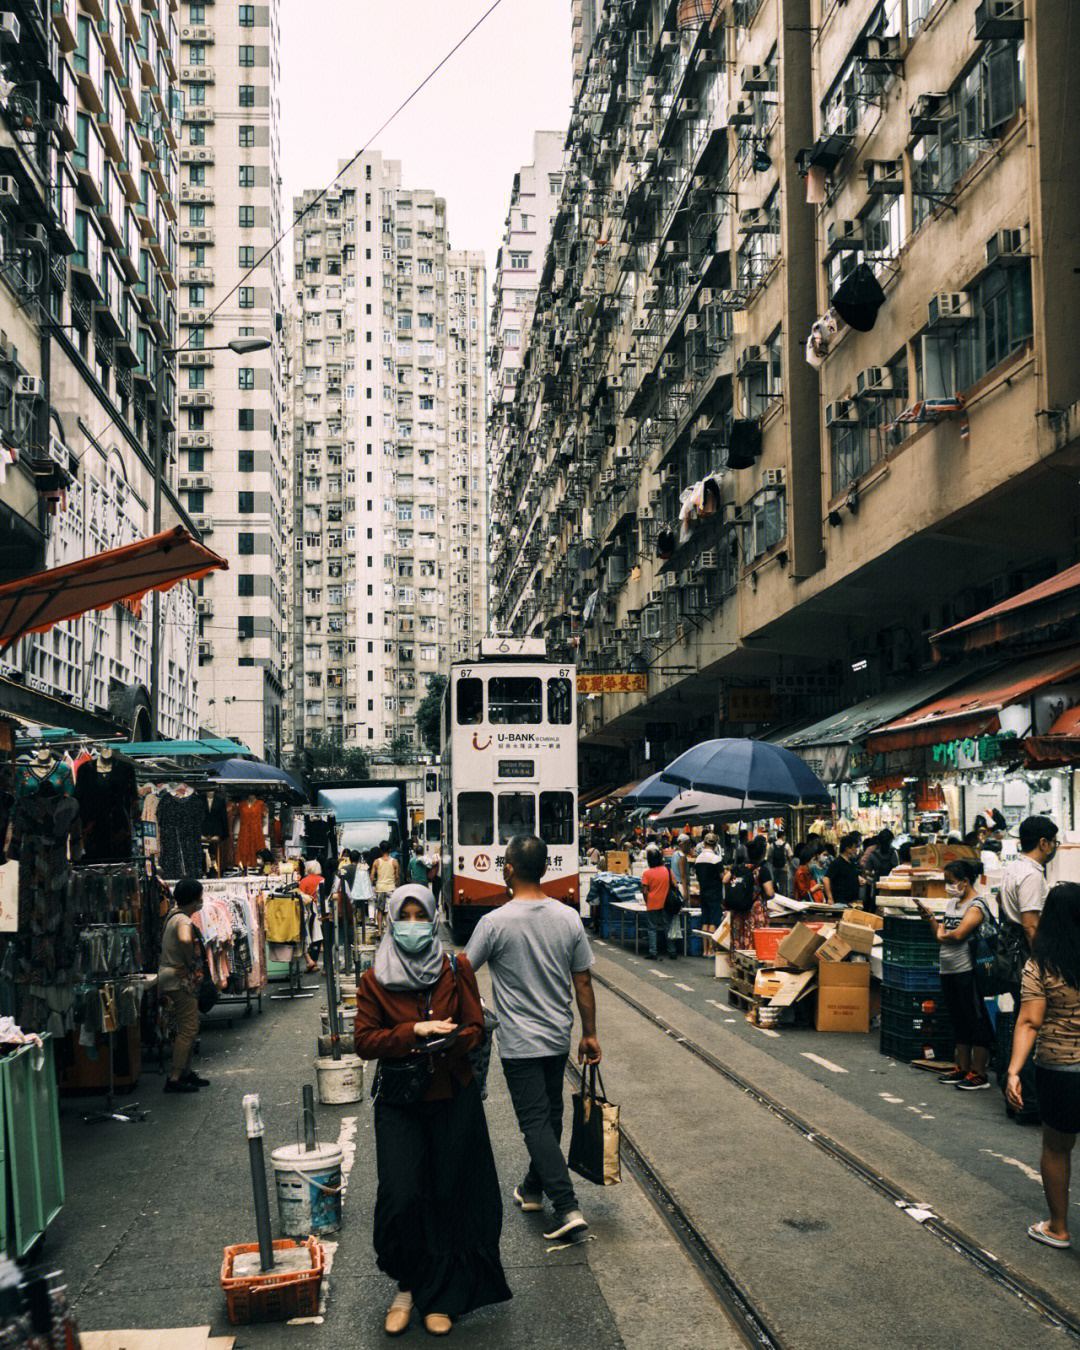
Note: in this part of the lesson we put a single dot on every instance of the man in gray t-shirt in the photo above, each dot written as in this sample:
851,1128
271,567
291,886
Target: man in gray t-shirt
539,958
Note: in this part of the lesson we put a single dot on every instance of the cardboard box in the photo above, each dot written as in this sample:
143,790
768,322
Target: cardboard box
793,988
937,855
833,949
768,982
798,948
858,938
868,920
843,1001
617,861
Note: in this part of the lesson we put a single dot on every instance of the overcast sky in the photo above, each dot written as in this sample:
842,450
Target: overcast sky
347,64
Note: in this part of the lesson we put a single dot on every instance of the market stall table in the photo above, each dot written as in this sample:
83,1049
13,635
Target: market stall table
636,910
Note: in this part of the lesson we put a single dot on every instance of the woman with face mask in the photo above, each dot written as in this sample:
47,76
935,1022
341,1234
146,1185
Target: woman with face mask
438,1210
956,931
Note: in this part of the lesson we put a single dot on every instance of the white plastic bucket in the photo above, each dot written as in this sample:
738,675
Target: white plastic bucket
308,1189
346,1017
365,958
340,1080
724,969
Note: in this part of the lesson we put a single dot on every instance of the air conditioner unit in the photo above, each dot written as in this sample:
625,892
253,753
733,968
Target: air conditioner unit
206,649
729,513
925,113
36,235
950,308
877,51
755,79
656,496
874,380
641,324
194,440
841,414
690,323
844,234
622,453
9,28
9,190
750,358
674,249
608,477
651,298
740,113
670,581
708,561
204,524
688,108
669,475
705,297
645,513
1003,244
884,176
655,597
669,42
731,300
204,605
670,363
615,382
648,88
773,478
29,386
996,19
626,360
754,221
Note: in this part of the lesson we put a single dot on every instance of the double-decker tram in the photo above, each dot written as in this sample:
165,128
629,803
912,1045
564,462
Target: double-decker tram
508,766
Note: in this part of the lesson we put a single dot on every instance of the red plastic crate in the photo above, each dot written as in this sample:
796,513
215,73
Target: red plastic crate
273,1297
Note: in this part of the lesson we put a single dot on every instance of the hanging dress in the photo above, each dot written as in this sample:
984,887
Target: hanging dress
251,840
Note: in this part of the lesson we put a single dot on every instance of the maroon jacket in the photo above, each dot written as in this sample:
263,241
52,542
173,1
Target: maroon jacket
385,1019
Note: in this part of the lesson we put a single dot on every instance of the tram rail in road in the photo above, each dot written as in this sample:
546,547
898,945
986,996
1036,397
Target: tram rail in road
748,1319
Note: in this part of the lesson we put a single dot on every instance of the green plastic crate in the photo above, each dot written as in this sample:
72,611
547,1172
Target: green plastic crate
917,955
32,1164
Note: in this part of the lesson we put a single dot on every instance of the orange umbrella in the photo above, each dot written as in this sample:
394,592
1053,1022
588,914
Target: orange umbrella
34,604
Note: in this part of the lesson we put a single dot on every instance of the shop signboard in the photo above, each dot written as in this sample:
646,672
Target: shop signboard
630,683
752,705
9,897
829,762
971,752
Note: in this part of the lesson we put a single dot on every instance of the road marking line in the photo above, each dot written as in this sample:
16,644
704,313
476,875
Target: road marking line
1029,1172
660,975
893,1101
766,1032
825,1063
721,1006
689,988
599,942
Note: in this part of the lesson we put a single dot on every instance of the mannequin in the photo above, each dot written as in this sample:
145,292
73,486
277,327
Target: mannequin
107,792
44,773
181,818
218,835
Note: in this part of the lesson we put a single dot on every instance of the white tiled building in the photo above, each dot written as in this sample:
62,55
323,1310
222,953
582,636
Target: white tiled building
389,481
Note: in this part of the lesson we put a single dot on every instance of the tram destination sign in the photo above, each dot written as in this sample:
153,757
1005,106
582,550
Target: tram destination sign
517,768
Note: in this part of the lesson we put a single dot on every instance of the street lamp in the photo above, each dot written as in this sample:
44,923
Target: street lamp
242,346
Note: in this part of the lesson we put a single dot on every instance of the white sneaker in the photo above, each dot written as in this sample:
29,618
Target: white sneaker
528,1204
568,1225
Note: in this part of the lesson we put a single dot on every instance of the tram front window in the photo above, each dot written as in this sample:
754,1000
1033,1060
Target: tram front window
515,700
517,815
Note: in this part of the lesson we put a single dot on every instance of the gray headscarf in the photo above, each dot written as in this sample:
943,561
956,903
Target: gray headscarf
395,969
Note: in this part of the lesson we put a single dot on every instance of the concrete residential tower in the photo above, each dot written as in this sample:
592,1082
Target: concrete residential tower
389,483
232,466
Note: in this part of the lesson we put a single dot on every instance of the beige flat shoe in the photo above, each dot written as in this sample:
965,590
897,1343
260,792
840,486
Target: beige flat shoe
438,1324
397,1319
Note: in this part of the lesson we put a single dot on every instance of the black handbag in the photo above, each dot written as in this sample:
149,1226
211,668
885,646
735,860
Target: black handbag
404,1082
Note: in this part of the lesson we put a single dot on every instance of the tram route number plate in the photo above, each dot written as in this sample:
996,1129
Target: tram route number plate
517,768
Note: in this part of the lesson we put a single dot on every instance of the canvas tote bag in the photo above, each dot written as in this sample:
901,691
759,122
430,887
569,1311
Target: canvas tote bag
594,1139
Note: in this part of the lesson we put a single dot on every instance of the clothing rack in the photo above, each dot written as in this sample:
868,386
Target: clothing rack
219,888
296,987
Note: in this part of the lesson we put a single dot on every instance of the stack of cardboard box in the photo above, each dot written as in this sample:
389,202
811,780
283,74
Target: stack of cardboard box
834,962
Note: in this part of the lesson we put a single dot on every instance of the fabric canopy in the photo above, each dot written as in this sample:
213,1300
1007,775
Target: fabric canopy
34,604
1060,745
1047,606
650,792
256,774
973,709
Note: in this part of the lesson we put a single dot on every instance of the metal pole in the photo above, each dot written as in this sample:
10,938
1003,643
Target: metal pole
332,1001
255,1131
159,477
307,1098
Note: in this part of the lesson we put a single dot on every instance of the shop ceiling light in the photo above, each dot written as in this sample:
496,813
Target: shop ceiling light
858,665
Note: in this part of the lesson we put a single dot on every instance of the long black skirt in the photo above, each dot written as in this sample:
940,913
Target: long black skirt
438,1212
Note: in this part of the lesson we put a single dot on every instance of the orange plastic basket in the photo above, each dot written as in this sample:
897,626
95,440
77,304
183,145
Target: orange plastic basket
766,940
275,1296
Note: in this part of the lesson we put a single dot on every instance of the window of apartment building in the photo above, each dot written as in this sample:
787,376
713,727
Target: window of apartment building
196,54
245,545
245,419
196,502
970,117
511,337
519,262
247,96
196,298
196,215
196,95
246,256
766,523
247,136
245,461
866,431
246,217
246,376
196,461
245,584
245,626
554,183
197,175
246,55
198,12
245,503
196,419
247,175
196,379
246,297
196,133
247,16
758,250
762,381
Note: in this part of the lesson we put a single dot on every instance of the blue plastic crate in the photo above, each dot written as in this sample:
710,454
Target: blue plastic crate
909,977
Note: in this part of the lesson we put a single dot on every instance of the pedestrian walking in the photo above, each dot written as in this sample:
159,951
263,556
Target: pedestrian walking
310,887
748,895
539,958
878,861
779,862
1023,894
711,875
178,971
680,865
845,876
1049,1022
438,1209
957,931
657,884
419,872
385,877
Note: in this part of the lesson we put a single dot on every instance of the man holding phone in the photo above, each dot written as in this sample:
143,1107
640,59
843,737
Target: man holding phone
539,958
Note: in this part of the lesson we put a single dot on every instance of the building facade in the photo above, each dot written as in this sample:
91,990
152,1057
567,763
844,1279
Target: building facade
758,527
389,476
89,117
232,469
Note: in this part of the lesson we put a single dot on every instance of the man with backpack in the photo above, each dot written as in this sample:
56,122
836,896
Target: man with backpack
779,862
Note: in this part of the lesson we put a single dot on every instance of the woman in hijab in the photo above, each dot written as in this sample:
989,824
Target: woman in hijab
438,1211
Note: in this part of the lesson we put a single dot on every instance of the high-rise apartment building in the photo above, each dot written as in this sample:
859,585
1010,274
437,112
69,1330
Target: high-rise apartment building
232,469
89,117
389,478
584,15
758,528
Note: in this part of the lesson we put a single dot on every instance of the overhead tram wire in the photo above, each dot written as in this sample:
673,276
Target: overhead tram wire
322,193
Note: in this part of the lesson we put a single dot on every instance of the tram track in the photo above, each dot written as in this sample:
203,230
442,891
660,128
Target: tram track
748,1319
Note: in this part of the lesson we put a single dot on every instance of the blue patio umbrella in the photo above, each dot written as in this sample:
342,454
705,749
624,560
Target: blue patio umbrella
753,771
650,792
255,774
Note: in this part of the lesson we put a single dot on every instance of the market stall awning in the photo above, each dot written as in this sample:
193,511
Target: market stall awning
1035,612
974,708
207,749
1061,743
626,788
34,604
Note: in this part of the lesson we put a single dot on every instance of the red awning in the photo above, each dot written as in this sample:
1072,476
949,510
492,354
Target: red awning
1060,745
34,604
1052,602
972,710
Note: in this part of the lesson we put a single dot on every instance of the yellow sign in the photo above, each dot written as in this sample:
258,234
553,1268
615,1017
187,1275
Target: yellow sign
613,684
